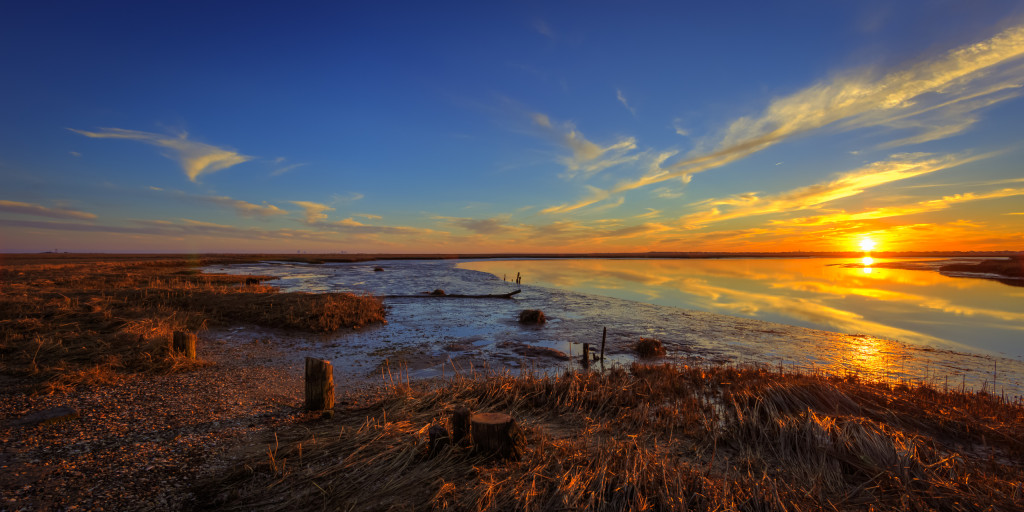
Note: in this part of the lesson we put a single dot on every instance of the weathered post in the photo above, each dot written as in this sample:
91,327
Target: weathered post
492,434
586,355
184,343
460,424
438,439
319,384
604,336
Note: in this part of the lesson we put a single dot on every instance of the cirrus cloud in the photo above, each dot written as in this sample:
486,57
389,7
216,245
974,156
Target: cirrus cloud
195,158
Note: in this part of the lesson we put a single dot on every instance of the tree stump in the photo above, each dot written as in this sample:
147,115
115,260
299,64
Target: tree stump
438,439
319,384
184,342
492,434
460,424
532,316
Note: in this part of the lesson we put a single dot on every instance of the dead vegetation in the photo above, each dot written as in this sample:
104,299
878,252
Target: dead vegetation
654,438
85,320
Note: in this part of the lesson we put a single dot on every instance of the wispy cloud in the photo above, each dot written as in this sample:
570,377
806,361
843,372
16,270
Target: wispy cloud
931,205
43,211
899,167
488,226
314,212
625,103
587,157
282,170
344,198
369,216
935,97
666,193
678,127
196,158
244,207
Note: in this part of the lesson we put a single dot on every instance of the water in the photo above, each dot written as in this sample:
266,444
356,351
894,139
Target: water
677,301
920,307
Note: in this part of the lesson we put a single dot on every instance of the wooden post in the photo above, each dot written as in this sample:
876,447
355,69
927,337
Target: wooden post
184,342
319,384
460,424
586,355
438,439
604,336
492,434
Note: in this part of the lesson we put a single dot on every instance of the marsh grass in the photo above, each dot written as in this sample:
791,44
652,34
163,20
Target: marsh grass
653,438
85,321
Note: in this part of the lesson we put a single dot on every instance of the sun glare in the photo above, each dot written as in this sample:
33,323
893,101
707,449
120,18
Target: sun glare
867,244
867,261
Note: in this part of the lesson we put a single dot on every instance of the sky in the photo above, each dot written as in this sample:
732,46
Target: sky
439,127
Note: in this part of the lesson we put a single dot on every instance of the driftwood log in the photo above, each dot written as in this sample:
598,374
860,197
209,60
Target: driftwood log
440,294
184,343
319,384
493,434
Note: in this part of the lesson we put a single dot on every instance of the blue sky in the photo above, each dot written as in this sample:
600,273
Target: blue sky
477,127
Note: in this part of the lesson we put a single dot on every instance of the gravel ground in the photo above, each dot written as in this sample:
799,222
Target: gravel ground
141,443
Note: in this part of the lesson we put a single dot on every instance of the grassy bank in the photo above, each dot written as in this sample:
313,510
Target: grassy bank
652,438
78,319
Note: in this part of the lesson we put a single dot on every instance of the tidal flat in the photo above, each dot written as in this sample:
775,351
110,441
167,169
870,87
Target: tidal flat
708,427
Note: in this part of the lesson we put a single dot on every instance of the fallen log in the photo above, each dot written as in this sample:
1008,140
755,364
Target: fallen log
434,295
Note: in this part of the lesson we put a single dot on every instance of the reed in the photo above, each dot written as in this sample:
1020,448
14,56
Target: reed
660,437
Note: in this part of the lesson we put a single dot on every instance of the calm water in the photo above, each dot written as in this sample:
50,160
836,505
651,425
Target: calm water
803,314
918,307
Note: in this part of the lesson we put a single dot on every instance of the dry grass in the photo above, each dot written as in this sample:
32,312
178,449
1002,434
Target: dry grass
67,322
655,438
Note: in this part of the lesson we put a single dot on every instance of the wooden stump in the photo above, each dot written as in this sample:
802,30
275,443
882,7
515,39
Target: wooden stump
532,316
438,439
184,343
586,355
319,384
492,434
460,424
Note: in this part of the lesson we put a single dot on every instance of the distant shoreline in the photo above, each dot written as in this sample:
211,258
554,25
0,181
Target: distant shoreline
356,257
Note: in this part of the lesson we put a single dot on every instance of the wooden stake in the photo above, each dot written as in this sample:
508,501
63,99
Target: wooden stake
319,384
586,355
184,342
460,424
492,434
438,439
604,336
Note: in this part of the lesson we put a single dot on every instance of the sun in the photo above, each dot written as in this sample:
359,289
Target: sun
867,244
